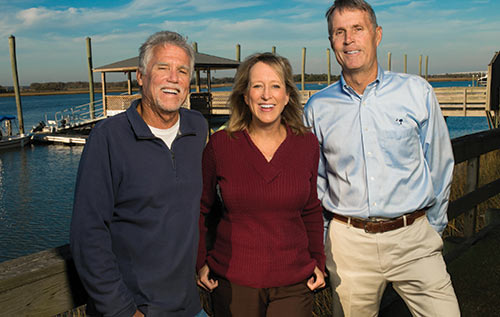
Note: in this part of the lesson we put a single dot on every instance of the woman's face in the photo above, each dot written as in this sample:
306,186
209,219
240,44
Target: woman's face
266,95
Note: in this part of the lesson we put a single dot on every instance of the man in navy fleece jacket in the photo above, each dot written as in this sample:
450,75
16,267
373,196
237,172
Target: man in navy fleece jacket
134,230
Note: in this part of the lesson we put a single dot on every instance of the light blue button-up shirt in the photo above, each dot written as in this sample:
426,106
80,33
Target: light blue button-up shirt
384,153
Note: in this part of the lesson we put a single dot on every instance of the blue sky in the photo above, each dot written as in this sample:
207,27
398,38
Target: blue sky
457,35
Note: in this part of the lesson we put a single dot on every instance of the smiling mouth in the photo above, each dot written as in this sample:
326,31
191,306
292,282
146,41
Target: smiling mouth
352,52
170,91
269,106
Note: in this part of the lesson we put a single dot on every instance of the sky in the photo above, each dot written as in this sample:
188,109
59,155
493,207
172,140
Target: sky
456,35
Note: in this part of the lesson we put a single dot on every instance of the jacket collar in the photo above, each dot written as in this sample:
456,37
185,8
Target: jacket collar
141,129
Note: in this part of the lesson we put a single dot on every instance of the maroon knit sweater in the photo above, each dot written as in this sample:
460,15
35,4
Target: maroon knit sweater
272,231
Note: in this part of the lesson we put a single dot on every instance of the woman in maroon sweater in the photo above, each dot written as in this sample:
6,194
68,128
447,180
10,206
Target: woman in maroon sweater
267,256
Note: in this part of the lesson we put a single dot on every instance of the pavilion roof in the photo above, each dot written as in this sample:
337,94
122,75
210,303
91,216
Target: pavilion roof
202,62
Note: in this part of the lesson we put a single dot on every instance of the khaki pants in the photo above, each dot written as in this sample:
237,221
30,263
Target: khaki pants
361,264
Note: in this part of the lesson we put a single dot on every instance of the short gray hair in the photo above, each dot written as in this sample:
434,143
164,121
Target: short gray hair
163,38
342,5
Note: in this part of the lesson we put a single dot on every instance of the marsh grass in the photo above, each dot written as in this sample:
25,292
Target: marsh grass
489,170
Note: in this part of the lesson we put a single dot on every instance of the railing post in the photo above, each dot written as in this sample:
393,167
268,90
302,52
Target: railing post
465,101
470,186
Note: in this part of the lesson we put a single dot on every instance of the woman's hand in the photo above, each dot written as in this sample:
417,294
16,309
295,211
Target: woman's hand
138,314
203,280
317,281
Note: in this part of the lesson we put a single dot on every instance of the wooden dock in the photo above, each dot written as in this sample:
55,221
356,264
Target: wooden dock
60,138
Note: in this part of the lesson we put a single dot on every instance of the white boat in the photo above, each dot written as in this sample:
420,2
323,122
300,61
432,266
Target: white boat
8,140
483,81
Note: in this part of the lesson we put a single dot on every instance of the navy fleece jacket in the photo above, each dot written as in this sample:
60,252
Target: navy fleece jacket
134,230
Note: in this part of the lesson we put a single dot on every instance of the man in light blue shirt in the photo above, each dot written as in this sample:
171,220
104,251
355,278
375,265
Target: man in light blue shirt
386,162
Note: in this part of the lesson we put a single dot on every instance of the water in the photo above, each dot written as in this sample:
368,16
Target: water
37,182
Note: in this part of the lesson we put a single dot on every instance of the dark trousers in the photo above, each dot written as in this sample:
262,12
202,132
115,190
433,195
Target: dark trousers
230,299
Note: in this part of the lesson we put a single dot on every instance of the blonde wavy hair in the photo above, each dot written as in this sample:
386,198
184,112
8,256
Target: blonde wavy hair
241,116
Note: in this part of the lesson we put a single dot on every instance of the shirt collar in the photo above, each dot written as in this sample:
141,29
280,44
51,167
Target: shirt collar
380,77
141,129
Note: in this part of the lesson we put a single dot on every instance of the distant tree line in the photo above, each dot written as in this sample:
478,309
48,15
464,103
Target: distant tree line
76,85
122,85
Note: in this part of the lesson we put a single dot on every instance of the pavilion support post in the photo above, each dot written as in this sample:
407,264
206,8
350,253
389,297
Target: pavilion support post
209,81
15,81
103,88
238,52
406,64
91,78
303,77
273,50
129,82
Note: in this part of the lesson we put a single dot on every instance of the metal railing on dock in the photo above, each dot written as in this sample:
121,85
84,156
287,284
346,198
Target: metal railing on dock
46,283
75,116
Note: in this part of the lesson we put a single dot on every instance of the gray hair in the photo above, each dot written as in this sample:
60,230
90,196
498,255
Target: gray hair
342,5
163,38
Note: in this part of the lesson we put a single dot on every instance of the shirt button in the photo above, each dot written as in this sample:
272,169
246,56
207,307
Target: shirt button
369,153
374,204
372,178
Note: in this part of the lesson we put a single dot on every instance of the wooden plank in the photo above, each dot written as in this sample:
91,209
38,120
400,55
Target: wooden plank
470,200
473,145
41,284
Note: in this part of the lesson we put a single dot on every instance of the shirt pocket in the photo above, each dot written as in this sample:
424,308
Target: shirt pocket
400,147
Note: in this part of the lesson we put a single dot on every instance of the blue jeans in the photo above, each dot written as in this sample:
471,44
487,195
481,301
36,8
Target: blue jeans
201,314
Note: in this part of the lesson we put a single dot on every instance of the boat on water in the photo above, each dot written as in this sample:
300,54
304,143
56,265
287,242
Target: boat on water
9,140
483,81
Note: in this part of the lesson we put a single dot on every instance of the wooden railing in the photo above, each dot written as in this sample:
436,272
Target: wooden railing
454,101
46,283
462,101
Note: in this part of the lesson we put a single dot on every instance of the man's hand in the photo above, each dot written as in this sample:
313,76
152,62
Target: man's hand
317,281
203,280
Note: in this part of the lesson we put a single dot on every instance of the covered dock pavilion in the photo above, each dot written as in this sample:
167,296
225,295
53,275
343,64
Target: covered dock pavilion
200,100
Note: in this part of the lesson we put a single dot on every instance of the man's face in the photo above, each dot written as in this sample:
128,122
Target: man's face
354,40
165,84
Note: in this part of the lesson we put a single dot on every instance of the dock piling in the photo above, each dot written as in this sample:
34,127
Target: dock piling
329,65
197,75
426,67
91,77
15,81
420,65
303,78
